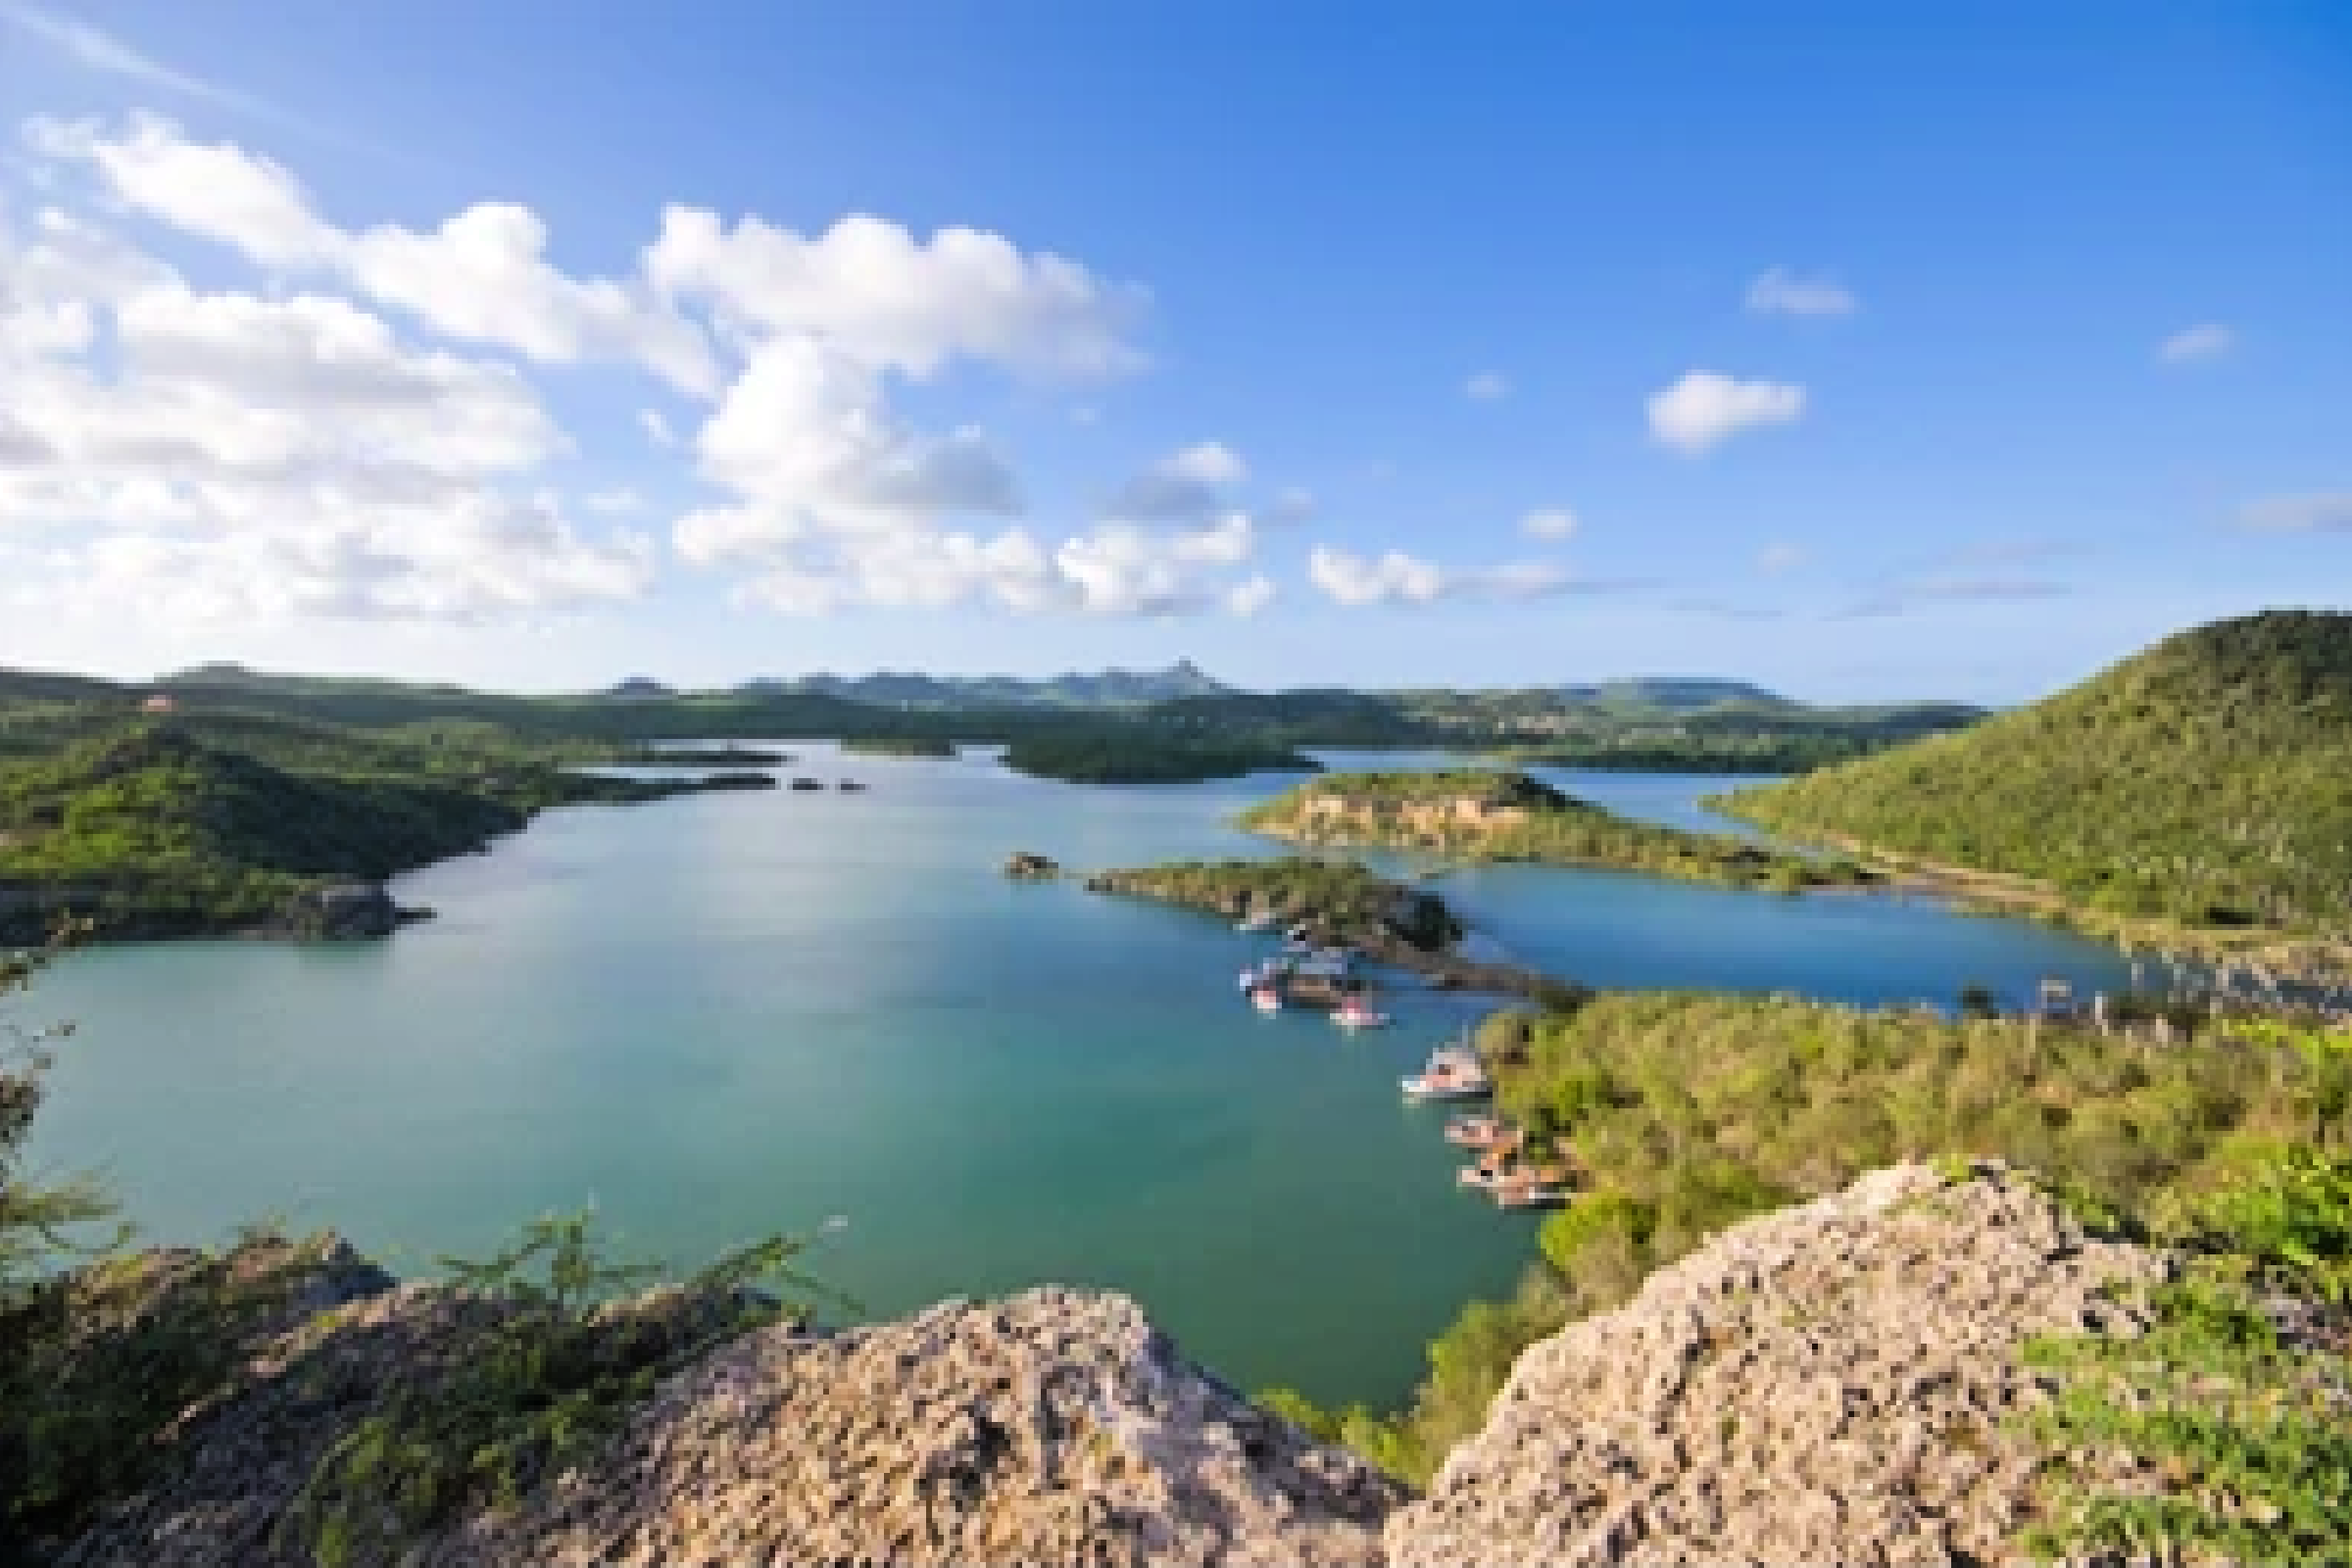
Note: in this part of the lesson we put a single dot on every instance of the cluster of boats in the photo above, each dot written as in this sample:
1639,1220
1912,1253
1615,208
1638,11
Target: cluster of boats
1306,974
1503,1169
1302,973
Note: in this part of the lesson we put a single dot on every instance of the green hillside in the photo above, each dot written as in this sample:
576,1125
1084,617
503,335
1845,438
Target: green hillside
2206,781
191,825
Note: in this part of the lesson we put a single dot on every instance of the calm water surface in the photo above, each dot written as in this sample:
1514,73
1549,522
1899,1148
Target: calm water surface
731,1013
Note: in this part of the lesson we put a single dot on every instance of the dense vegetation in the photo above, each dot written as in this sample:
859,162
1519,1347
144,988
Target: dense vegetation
2206,781
899,746
165,826
1338,896
1684,1113
1489,815
1677,724
1129,757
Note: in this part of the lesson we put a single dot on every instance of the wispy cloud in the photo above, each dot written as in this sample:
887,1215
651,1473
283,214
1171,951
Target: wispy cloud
1725,609
1486,386
1996,571
2208,340
93,50
1780,556
1781,292
2311,514
1905,595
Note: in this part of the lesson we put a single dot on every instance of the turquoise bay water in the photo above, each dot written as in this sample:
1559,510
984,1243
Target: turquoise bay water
731,1013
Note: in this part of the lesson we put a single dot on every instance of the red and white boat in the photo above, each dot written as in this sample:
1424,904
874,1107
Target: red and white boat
1355,1012
1266,998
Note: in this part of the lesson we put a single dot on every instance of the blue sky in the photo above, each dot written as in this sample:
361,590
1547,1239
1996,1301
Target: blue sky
1867,351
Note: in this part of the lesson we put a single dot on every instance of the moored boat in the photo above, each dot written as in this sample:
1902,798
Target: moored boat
1266,998
1479,1130
1355,1012
1521,1190
1453,1072
1488,1174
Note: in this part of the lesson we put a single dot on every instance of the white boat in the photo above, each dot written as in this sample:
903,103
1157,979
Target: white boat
1358,1013
1262,920
1266,998
1453,1072
1524,1193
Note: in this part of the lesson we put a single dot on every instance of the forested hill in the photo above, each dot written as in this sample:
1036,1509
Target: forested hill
2206,780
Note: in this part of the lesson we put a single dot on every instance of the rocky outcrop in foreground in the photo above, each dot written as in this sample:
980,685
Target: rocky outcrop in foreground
1831,1383
1056,1426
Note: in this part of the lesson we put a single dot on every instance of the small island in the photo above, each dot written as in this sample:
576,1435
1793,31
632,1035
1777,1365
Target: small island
1337,904
898,745
1499,814
1149,759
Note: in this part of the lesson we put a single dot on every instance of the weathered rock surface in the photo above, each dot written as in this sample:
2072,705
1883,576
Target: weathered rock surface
1831,1383
1056,1426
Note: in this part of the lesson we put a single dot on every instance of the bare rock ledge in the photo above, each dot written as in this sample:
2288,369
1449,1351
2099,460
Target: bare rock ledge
1827,1383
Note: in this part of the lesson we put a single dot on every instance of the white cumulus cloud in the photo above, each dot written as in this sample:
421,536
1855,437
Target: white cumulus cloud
880,295
1187,486
1705,408
1549,522
482,274
290,432
222,455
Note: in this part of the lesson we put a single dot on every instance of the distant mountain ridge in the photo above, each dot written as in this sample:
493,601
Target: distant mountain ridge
1109,688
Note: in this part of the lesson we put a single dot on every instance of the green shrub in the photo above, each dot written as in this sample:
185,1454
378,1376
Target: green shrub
543,1380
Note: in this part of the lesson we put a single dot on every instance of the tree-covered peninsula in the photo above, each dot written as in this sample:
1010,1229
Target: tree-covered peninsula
160,827
2200,791
1498,814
